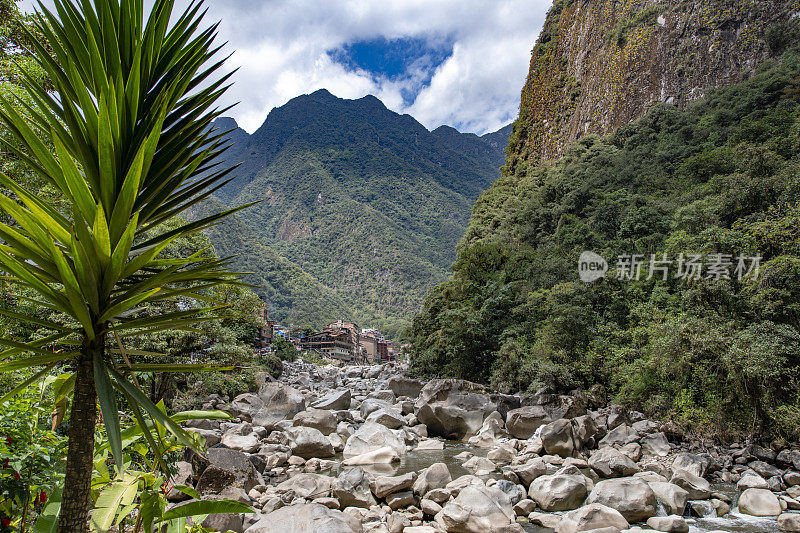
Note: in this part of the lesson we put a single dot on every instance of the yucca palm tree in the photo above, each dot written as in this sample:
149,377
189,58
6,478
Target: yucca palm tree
130,121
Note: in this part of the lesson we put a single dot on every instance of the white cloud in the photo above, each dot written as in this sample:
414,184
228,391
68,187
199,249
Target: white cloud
281,51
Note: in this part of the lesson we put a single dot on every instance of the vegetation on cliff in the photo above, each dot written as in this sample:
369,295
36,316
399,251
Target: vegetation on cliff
600,64
718,178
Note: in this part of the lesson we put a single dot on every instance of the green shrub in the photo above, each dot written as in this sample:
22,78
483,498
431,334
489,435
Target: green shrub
227,384
31,455
781,36
310,357
284,349
273,365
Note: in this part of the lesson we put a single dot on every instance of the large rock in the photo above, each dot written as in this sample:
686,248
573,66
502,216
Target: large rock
384,455
453,408
765,469
558,492
491,430
391,418
307,486
370,405
478,509
371,437
335,401
351,488
244,406
619,436
382,486
558,405
224,522
759,502
183,476
590,517
610,462
396,500
279,402
227,468
403,386
436,476
789,522
655,444
306,518
480,466
697,487
506,403
243,443
384,394
322,419
515,492
308,442
557,438
632,497
211,436
691,462
522,423
668,524
530,470
584,431
751,480
671,496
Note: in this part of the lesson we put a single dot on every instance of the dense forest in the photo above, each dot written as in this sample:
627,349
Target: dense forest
720,177
360,207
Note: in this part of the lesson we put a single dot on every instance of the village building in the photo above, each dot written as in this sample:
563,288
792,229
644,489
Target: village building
340,341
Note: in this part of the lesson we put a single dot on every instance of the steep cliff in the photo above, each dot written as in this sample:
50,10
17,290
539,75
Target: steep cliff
716,178
600,64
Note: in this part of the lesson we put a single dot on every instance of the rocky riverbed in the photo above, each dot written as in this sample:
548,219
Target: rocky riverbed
367,449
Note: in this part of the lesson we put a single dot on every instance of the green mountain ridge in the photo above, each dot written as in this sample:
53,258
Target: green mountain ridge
362,203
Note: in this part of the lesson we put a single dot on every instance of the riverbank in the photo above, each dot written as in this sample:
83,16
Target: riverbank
368,449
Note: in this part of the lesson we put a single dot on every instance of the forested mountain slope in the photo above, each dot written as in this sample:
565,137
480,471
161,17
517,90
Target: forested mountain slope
720,177
366,202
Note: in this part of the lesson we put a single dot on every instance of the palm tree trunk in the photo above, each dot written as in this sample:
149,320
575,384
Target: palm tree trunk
76,500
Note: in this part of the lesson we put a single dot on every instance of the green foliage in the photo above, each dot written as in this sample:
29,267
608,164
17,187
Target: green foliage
31,455
783,35
314,359
284,349
140,489
720,177
363,208
643,17
273,366
121,133
226,384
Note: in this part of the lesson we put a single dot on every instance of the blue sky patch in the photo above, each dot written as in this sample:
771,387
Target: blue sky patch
405,58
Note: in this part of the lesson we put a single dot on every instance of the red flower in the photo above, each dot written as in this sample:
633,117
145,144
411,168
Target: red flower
16,475
5,521
42,497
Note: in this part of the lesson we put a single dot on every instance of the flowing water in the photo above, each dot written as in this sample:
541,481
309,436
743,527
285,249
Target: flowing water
734,521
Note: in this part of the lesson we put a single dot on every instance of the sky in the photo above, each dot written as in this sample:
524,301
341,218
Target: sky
456,62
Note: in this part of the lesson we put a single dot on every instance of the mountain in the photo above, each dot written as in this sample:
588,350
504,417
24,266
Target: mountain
363,201
712,183
599,65
292,293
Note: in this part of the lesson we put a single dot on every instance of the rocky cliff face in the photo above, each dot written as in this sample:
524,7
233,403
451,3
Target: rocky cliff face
599,64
